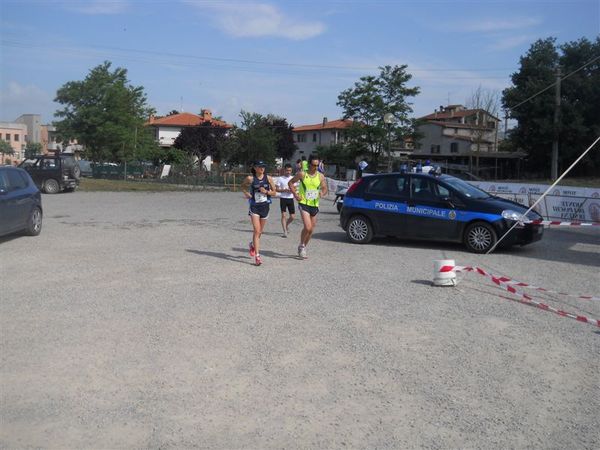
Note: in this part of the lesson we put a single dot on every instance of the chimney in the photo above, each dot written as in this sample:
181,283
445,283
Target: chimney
324,121
206,115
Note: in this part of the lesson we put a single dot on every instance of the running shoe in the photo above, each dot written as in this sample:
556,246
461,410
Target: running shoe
284,234
258,260
251,248
302,251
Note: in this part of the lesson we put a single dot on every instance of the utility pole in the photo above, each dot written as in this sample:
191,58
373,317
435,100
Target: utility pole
556,123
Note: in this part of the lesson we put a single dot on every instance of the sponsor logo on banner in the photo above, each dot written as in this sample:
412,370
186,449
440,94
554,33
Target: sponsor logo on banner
594,210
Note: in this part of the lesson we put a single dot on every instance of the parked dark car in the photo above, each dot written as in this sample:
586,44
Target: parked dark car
434,207
53,173
86,168
20,203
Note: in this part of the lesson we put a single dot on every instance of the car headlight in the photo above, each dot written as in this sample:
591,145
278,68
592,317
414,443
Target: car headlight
509,214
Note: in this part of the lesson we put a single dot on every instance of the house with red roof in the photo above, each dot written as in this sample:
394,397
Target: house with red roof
167,128
326,133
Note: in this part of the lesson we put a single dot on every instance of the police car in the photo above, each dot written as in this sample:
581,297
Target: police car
434,207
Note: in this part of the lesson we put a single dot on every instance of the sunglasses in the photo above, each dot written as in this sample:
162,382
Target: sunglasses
314,165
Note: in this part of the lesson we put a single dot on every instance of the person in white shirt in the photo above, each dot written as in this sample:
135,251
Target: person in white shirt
286,199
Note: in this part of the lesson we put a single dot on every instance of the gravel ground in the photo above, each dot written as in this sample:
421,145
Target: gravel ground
136,320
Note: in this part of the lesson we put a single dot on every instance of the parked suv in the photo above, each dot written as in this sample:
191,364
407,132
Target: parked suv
53,173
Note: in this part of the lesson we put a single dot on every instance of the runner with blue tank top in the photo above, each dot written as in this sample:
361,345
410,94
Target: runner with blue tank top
312,186
258,189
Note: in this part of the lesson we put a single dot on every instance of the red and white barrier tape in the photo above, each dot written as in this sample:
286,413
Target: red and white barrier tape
510,281
524,298
553,223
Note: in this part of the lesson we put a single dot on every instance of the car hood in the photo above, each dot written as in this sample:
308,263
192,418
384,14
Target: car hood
503,204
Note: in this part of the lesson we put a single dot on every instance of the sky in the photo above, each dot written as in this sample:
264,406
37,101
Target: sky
289,58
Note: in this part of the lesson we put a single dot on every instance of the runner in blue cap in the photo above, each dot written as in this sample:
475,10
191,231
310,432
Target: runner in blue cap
258,189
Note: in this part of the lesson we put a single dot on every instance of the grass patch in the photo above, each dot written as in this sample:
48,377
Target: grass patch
98,184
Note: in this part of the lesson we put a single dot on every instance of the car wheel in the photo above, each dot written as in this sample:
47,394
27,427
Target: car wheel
359,230
480,237
34,223
76,171
51,186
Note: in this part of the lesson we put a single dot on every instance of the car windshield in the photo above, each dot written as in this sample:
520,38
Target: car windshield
466,189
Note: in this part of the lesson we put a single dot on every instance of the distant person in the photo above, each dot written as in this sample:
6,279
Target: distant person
258,188
304,163
427,167
286,199
321,167
298,165
312,186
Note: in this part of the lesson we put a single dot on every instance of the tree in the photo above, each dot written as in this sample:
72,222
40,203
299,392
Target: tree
202,141
486,103
579,110
32,149
369,100
254,140
6,149
285,145
106,115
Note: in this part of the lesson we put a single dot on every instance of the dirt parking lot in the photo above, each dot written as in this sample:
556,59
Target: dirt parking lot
137,320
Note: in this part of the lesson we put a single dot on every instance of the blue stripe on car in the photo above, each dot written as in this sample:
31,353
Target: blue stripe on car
419,210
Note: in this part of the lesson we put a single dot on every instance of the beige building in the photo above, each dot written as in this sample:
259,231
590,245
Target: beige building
16,135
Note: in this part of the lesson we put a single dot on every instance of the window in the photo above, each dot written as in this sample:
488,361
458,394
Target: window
442,192
16,138
301,137
7,137
421,189
390,185
314,137
49,163
435,148
15,180
454,147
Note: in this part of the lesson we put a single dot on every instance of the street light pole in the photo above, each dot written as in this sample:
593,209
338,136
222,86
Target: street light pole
389,119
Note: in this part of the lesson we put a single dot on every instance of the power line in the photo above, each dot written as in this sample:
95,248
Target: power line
22,44
554,84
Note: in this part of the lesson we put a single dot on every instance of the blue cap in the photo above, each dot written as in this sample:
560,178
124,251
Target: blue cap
259,164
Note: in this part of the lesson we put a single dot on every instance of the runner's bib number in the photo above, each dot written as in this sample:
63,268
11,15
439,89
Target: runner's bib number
259,197
312,194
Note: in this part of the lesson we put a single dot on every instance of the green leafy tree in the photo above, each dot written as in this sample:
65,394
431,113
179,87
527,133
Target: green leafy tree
285,145
371,98
580,104
202,141
6,149
253,140
106,115
32,149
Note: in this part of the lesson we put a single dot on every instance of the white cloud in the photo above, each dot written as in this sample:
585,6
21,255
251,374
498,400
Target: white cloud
507,43
258,20
98,7
490,25
17,99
